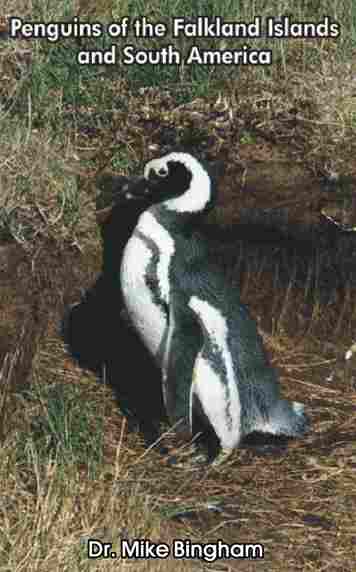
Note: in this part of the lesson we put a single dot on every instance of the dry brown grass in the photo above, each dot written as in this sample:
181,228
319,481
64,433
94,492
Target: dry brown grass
299,503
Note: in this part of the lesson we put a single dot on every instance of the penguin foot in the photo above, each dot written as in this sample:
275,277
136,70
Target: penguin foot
191,459
222,456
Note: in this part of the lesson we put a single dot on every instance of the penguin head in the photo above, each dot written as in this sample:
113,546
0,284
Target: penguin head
181,183
177,181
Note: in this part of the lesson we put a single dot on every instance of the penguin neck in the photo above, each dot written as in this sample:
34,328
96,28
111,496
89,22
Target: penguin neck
171,234
180,223
116,232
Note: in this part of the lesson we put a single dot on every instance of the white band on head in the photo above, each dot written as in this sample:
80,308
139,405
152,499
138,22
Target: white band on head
198,195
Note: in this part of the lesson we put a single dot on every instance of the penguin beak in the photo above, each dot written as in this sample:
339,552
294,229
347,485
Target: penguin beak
135,189
145,190
118,190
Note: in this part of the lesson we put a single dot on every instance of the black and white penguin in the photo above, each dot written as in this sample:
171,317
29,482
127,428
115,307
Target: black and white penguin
190,319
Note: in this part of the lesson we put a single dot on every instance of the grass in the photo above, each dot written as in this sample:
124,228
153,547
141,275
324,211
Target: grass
70,467
60,432
39,197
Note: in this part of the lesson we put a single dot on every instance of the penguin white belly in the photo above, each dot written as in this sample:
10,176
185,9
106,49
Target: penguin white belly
147,317
217,390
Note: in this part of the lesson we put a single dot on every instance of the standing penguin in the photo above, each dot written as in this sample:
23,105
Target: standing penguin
191,321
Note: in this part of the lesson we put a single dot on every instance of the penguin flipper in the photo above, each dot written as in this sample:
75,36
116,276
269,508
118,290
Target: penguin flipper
184,340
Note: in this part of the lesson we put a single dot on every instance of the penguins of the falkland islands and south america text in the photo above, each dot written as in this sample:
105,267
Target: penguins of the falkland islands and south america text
193,323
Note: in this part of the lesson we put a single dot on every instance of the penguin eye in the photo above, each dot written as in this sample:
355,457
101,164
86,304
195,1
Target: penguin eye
154,174
162,172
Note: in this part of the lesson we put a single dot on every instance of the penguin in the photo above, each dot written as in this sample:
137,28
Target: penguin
192,321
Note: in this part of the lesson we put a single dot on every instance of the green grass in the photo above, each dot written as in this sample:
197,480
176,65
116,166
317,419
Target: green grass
62,430
47,92
284,51
56,80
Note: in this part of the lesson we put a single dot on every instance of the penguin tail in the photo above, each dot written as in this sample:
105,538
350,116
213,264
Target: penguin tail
288,418
302,421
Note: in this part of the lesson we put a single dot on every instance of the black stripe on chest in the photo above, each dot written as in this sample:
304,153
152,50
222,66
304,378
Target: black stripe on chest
151,273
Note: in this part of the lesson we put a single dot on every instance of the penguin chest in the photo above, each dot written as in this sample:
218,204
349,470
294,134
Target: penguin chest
139,293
